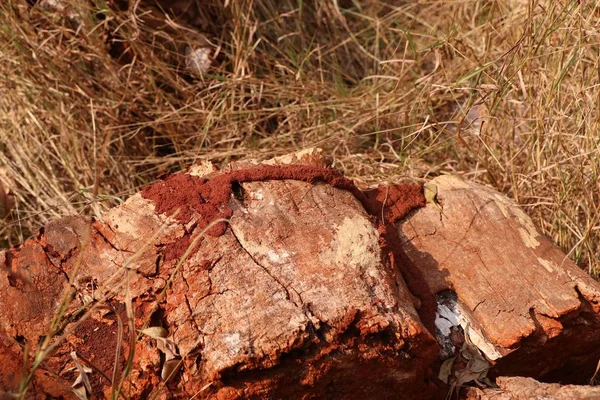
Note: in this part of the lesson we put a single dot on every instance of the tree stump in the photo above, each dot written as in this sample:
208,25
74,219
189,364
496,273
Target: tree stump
291,298
282,279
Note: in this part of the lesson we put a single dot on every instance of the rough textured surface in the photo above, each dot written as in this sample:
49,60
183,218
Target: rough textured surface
518,388
312,288
295,296
527,306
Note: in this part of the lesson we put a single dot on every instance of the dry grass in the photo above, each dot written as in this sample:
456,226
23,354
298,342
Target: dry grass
385,86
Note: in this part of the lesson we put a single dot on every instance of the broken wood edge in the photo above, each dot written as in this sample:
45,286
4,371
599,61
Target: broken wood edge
548,338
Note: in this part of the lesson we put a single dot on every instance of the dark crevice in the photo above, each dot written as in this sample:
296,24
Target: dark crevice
305,308
147,392
287,291
539,337
158,318
157,263
49,253
187,302
41,233
320,332
238,191
99,232
21,340
478,304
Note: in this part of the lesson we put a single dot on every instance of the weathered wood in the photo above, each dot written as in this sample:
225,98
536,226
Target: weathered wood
528,308
301,293
293,299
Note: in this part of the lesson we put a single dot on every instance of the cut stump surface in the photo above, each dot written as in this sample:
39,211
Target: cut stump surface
282,279
293,296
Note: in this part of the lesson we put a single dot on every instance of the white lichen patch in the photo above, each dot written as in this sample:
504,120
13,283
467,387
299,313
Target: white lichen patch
278,257
527,231
549,265
529,240
257,194
355,237
233,342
